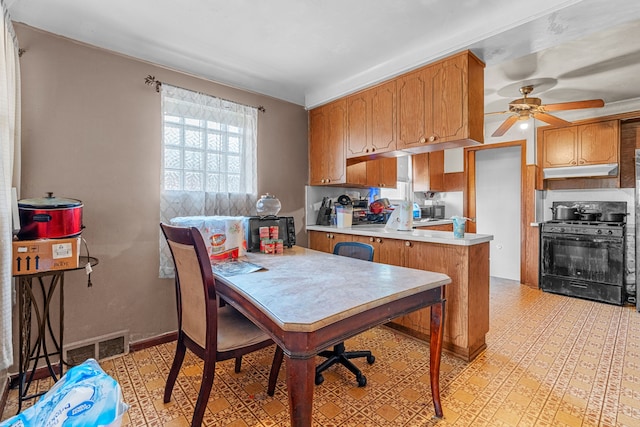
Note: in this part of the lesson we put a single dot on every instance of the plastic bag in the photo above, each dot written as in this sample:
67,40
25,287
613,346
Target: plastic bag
84,396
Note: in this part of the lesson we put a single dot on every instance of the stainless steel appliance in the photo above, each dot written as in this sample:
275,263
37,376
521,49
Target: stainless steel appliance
585,259
286,230
432,211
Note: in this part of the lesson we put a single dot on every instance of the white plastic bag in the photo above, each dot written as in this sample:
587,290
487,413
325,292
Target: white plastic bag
84,396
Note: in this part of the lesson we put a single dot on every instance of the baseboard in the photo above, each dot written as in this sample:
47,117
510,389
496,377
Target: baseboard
151,342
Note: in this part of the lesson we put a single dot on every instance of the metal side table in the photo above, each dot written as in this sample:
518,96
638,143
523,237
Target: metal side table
35,297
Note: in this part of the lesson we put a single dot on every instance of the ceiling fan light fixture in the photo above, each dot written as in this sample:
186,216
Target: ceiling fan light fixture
524,125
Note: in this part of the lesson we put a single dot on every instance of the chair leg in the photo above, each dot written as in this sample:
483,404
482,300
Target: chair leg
275,369
175,369
208,375
238,364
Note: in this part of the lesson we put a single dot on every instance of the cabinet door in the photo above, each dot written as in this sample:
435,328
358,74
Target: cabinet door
371,121
598,142
325,241
327,164
383,118
385,251
411,110
358,124
560,147
446,94
428,171
319,241
382,172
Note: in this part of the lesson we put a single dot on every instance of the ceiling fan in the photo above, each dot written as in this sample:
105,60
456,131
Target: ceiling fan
525,108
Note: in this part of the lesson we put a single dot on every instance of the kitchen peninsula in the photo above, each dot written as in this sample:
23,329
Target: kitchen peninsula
465,261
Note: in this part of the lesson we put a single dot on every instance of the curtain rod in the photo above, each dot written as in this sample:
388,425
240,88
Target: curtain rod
152,81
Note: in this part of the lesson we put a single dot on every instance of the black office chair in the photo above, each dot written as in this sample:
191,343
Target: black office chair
338,354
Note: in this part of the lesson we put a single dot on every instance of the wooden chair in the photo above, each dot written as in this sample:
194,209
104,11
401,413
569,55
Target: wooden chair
211,332
338,354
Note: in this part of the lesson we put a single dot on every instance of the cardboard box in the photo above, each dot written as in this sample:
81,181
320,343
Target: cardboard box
37,256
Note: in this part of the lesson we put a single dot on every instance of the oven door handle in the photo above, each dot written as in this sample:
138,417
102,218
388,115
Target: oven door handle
578,285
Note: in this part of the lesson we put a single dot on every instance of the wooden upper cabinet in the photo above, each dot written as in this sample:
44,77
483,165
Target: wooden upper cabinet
441,103
382,172
579,145
599,143
327,161
374,173
428,171
560,147
371,121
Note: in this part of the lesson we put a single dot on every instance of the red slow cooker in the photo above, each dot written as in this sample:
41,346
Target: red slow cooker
49,218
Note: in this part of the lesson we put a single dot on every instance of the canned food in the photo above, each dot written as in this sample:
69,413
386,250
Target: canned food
273,232
264,232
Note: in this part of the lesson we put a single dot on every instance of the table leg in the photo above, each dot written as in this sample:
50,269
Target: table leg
300,384
435,348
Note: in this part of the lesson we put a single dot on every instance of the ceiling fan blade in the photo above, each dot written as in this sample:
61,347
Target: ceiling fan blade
552,120
575,105
505,125
496,112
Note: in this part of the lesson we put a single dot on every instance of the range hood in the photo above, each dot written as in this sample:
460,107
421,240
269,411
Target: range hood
586,171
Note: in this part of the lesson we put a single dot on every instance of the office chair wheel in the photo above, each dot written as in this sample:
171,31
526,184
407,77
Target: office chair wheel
371,359
320,379
362,380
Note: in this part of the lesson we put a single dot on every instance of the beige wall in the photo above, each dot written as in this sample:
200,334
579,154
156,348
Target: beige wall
91,131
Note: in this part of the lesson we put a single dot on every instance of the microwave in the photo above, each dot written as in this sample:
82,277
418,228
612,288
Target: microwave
286,230
432,211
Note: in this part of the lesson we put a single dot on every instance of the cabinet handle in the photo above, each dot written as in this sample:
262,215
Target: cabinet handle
371,239
373,149
407,244
380,185
423,140
572,162
328,236
432,138
328,180
366,151
378,240
581,162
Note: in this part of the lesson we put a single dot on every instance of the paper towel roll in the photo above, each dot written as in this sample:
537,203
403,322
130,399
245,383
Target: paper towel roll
405,216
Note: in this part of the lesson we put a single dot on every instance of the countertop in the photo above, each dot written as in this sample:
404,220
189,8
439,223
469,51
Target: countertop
420,235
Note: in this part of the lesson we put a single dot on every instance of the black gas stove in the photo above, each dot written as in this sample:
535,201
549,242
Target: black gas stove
585,259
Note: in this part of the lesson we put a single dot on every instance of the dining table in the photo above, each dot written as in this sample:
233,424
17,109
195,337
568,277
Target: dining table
308,301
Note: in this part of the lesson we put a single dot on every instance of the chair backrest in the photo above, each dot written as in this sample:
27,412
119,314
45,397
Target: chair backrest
354,250
195,284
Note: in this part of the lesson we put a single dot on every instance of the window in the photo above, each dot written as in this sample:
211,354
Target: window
209,143
208,159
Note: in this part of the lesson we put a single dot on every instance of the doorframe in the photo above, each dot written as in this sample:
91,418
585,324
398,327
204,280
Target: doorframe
469,207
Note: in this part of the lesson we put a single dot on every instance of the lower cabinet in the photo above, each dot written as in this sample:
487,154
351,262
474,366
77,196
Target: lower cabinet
467,306
323,241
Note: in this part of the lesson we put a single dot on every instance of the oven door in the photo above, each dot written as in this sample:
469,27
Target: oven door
590,258
583,266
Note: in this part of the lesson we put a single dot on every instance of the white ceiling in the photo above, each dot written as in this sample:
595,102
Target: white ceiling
311,51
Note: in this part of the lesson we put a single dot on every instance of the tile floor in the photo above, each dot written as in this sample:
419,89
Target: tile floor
550,361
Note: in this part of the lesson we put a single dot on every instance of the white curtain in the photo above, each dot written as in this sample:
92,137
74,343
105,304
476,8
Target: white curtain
9,172
189,196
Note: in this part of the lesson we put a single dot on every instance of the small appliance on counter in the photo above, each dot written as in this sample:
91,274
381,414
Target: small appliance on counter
286,230
49,217
432,211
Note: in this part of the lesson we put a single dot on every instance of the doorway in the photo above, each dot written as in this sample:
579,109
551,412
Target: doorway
494,199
